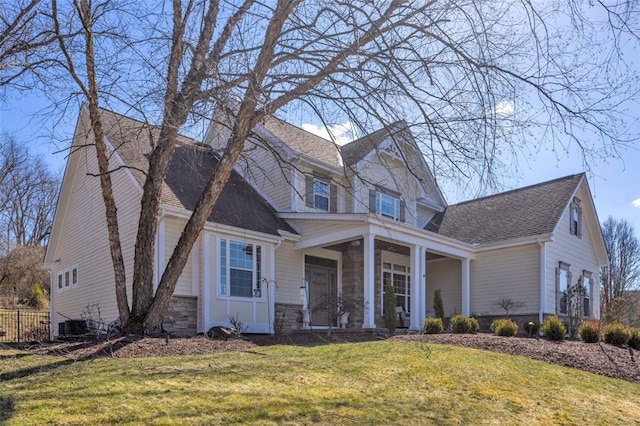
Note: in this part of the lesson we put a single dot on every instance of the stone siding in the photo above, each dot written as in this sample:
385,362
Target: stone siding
182,318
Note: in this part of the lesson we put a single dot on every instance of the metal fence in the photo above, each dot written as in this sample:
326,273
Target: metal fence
24,325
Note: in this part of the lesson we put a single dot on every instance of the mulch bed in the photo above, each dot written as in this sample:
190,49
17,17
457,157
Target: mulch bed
599,358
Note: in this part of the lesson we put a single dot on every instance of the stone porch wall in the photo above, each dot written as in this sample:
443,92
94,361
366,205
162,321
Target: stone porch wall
182,317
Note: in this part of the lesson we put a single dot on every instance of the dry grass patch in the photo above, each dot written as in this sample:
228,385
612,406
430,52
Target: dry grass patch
385,382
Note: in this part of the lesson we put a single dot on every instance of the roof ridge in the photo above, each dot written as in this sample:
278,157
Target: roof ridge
121,117
524,188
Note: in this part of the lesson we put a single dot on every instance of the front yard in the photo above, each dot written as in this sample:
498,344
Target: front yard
381,382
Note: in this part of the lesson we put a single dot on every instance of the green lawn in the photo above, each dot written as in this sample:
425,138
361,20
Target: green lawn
358,383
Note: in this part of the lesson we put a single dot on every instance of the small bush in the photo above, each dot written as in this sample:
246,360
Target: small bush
462,324
532,328
438,306
554,329
588,331
615,334
504,327
432,326
37,299
634,338
389,300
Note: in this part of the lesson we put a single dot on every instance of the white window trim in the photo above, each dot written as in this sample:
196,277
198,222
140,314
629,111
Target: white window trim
396,206
394,259
254,275
63,275
326,195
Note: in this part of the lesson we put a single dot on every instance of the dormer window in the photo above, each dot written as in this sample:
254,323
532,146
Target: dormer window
321,193
575,218
386,203
387,206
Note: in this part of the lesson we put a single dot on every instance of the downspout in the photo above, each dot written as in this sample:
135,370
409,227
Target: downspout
543,280
49,268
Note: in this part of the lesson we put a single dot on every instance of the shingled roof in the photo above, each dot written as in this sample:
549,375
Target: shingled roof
525,212
239,204
303,142
355,151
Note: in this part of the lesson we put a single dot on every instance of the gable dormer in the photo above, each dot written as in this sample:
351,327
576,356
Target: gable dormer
393,180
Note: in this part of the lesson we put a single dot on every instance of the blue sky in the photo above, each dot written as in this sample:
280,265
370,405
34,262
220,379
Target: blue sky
615,183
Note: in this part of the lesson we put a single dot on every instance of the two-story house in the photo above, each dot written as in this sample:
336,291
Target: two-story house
306,230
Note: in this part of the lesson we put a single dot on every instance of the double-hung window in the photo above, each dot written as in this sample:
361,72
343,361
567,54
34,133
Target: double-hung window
575,218
386,203
321,192
563,278
588,290
388,206
240,269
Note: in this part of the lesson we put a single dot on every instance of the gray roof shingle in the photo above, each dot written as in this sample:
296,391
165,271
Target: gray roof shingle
356,150
524,212
239,204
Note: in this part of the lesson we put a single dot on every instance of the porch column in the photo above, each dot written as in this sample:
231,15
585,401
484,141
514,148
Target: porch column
416,286
423,284
466,297
369,281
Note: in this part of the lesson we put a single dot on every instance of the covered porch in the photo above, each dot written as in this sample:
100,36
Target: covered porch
360,254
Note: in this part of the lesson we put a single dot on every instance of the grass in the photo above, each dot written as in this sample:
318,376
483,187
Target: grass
357,383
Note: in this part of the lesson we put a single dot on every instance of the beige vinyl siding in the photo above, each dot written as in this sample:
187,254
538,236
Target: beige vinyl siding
172,231
445,275
289,273
578,252
506,273
424,215
84,240
267,175
390,174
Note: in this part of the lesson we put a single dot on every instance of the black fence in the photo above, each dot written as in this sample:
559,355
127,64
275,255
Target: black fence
24,326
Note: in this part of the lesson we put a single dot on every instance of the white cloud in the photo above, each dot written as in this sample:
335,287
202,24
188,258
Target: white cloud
504,108
342,133
636,202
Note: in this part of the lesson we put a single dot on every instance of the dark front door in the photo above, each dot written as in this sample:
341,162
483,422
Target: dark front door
323,291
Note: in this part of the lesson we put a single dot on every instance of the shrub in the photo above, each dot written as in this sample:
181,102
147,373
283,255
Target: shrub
462,324
615,334
438,306
432,325
37,299
588,331
390,316
504,327
532,328
554,329
634,338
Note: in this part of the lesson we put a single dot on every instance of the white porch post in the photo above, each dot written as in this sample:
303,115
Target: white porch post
466,297
369,281
416,286
423,284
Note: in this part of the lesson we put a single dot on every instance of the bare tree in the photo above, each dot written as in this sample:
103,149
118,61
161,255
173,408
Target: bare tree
24,37
471,79
28,193
623,271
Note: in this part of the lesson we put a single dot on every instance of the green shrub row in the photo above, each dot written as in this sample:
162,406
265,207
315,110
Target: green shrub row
432,325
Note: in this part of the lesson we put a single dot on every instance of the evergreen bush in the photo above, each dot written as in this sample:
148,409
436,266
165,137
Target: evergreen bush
554,329
432,325
438,306
634,338
390,316
615,334
37,299
589,331
463,324
504,327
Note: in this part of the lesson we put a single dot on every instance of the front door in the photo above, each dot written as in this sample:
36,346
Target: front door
323,290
